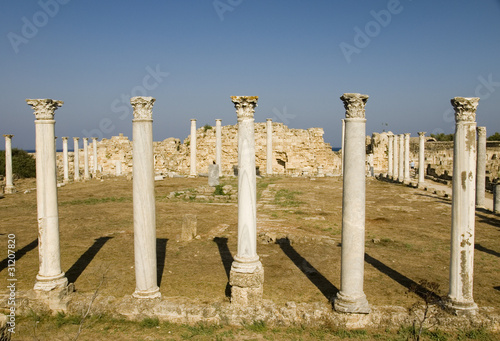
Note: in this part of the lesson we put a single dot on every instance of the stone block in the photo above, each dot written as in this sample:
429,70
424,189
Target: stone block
213,175
189,223
246,288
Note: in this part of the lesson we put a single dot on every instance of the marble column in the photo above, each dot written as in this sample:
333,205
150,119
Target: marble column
247,274
50,275
218,144
144,199
463,206
351,298
269,146
496,198
481,167
192,145
390,155
395,174
421,158
407,158
343,137
9,184
65,159
401,157
86,173
94,145
76,155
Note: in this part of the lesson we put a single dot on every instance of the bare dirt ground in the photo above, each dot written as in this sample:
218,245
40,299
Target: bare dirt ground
299,227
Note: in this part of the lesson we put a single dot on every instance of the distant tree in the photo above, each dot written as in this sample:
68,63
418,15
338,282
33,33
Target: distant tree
442,137
206,127
23,164
494,137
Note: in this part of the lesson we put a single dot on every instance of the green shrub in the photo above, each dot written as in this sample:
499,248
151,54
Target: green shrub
23,164
206,127
219,190
494,137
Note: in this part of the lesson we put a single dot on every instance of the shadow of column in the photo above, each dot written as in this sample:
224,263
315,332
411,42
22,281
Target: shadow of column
484,249
81,264
227,260
161,250
324,285
408,283
19,253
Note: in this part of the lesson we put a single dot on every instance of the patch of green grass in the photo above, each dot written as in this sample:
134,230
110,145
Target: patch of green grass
475,334
274,215
62,319
256,326
150,322
95,201
286,198
357,334
200,329
219,190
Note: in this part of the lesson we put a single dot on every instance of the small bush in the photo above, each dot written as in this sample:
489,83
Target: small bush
23,164
150,322
206,127
219,190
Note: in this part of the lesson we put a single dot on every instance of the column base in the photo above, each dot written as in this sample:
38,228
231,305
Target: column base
9,189
352,305
467,308
247,282
50,283
149,294
192,176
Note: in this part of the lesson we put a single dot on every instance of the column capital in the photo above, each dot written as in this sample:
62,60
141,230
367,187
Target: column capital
481,131
269,119
85,139
76,138
65,138
465,108
218,120
407,135
193,120
354,105
143,107
390,136
421,133
8,136
44,108
245,105
95,138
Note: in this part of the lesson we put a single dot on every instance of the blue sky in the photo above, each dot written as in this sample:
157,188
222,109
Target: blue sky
299,57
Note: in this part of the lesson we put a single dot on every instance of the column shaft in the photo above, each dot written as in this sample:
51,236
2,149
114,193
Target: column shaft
481,167
390,156
269,146
463,205
401,158
218,144
9,183
351,298
343,141
192,146
421,158
407,158
396,158
496,198
76,156
95,164
144,199
65,159
86,158
50,275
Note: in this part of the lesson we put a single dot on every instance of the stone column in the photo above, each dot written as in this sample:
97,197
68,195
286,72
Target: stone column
343,137
76,155
50,275
463,206
496,198
401,157
65,159
144,199
407,158
247,274
351,298
218,144
94,144
192,145
9,184
421,158
481,167
390,155
395,174
118,168
86,173
269,146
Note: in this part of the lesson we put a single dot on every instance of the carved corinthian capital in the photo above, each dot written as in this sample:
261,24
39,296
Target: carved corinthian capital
245,105
421,134
143,107
44,108
465,108
354,105
481,131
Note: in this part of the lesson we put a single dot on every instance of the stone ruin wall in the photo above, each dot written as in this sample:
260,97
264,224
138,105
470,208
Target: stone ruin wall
295,152
438,156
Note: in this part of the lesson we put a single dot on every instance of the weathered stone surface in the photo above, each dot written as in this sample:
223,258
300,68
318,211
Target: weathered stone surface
246,288
189,227
213,175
